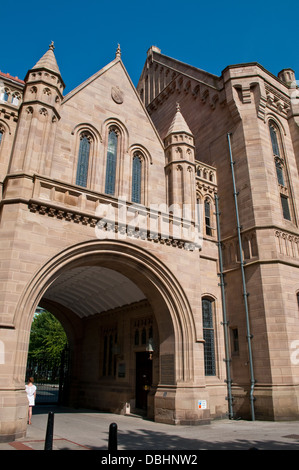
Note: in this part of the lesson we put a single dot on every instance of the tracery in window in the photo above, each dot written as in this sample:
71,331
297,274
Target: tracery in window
280,169
208,336
15,99
143,334
111,161
83,160
274,140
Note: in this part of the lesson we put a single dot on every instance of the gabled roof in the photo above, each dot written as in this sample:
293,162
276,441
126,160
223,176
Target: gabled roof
102,71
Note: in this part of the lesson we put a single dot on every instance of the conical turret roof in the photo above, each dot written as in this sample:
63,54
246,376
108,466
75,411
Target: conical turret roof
178,124
48,61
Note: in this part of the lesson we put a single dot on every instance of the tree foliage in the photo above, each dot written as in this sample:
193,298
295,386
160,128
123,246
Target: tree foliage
47,342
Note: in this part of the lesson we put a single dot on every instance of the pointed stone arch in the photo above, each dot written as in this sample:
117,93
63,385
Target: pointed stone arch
173,314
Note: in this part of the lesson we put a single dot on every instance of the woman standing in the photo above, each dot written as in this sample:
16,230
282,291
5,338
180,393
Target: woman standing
31,394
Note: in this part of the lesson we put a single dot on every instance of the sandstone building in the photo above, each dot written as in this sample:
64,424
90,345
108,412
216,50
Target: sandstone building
160,226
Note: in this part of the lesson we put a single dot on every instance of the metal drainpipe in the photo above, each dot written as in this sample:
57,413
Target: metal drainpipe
225,322
245,294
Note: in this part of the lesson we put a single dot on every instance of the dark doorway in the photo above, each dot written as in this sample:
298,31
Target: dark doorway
143,379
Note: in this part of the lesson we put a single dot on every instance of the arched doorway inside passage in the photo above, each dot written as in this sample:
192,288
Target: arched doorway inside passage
145,293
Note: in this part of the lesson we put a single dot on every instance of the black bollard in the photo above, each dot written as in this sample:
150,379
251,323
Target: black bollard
49,433
112,444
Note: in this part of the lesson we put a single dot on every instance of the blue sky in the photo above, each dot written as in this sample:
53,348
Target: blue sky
207,35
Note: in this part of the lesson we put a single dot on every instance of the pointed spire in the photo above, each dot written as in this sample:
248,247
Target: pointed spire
118,52
48,60
178,124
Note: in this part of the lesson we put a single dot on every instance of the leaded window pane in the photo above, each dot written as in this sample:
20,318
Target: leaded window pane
279,172
275,146
111,163
198,212
285,207
83,160
5,96
209,352
208,218
209,337
136,180
1,135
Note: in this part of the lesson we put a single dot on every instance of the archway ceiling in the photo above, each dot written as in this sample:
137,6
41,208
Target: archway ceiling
93,289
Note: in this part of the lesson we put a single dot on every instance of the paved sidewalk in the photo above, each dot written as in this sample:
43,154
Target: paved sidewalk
88,430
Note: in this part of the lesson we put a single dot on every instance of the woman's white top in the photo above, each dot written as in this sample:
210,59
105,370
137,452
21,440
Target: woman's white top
30,390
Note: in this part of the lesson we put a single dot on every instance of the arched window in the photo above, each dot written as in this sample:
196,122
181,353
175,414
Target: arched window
109,359
274,140
111,162
208,336
198,213
15,99
136,179
4,95
83,160
1,135
280,169
208,217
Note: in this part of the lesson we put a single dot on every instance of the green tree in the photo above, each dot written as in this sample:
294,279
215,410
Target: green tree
47,342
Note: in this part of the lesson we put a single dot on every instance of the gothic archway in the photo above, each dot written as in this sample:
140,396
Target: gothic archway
145,276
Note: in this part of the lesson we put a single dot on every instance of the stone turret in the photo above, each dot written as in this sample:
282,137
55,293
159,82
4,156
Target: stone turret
38,116
287,76
180,164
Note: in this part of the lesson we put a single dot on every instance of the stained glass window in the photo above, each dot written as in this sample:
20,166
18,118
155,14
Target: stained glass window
111,163
83,160
209,337
136,179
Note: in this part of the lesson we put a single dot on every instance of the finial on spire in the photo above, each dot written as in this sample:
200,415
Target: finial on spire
178,108
51,46
118,51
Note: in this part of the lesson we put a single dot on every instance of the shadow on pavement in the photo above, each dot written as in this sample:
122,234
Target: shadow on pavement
154,440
